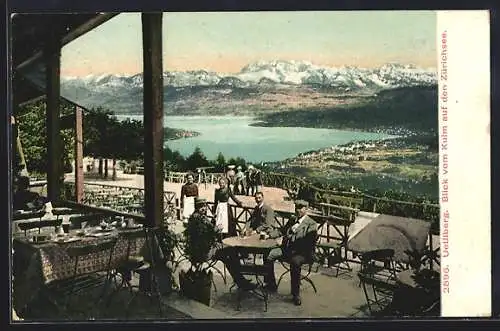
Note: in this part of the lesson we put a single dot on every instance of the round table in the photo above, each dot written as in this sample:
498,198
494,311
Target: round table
252,241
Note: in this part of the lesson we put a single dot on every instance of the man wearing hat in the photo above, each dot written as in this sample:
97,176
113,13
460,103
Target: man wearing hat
298,242
227,255
200,209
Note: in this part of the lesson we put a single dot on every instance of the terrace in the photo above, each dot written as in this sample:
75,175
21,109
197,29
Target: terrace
152,202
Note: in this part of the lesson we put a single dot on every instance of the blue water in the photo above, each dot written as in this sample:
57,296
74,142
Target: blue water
233,137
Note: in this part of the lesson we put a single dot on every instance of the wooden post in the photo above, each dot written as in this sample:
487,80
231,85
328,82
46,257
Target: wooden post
114,169
78,155
153,117
54,143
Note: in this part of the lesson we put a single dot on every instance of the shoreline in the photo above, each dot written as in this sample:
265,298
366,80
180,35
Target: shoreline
256,121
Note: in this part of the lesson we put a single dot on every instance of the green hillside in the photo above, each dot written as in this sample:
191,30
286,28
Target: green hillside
411,108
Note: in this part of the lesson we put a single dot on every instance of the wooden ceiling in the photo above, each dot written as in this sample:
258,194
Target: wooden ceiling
31,34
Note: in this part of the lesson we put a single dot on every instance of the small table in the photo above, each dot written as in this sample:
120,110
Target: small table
38,264
252,242
253,245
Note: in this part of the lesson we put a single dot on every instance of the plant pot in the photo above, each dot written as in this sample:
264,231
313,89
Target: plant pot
163,277
196,285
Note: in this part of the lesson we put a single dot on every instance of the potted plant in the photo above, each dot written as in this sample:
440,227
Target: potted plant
200,238
428,282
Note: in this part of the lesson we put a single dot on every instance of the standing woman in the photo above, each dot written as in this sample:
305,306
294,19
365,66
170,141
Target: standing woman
189,191
223,214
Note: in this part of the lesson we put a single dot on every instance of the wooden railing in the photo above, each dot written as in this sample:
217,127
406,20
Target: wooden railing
180,177
101,196
121,198
301,188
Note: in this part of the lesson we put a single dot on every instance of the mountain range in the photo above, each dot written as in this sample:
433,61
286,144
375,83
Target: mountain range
190,89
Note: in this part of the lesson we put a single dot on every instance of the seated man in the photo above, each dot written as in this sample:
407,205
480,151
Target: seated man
227,255
262,218
24,199
296,248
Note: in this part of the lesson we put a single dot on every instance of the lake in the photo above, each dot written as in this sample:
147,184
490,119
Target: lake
234,137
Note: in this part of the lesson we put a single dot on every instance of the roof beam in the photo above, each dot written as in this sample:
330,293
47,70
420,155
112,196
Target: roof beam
86,27
72,35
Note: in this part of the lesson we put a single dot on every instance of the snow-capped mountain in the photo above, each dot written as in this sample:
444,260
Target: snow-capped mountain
291,73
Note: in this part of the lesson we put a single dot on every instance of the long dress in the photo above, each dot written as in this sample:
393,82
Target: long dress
188,193
222,212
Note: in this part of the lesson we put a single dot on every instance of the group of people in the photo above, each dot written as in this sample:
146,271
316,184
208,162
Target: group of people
295,245
221,211
244,182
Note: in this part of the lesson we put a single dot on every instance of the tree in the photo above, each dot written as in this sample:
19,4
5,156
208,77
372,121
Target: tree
32,130
220,162
197,159
174,161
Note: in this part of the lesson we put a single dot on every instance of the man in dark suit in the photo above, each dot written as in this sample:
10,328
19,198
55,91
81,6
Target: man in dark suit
203,224
262,219
296,248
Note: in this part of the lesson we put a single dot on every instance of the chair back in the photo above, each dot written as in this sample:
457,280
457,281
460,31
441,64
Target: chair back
50,223
78,252
384,256
25,226
25,216
131,236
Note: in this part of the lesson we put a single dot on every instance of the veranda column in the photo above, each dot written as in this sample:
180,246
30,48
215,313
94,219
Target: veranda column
54,142
153,116
78,155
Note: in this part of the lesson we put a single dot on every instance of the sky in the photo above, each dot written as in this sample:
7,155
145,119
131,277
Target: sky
227,41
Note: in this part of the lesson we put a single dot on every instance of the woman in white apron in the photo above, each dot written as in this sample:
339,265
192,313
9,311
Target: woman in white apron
189,191
223,214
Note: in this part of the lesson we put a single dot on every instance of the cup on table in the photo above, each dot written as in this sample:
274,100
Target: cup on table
130,222
65,227
262,236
